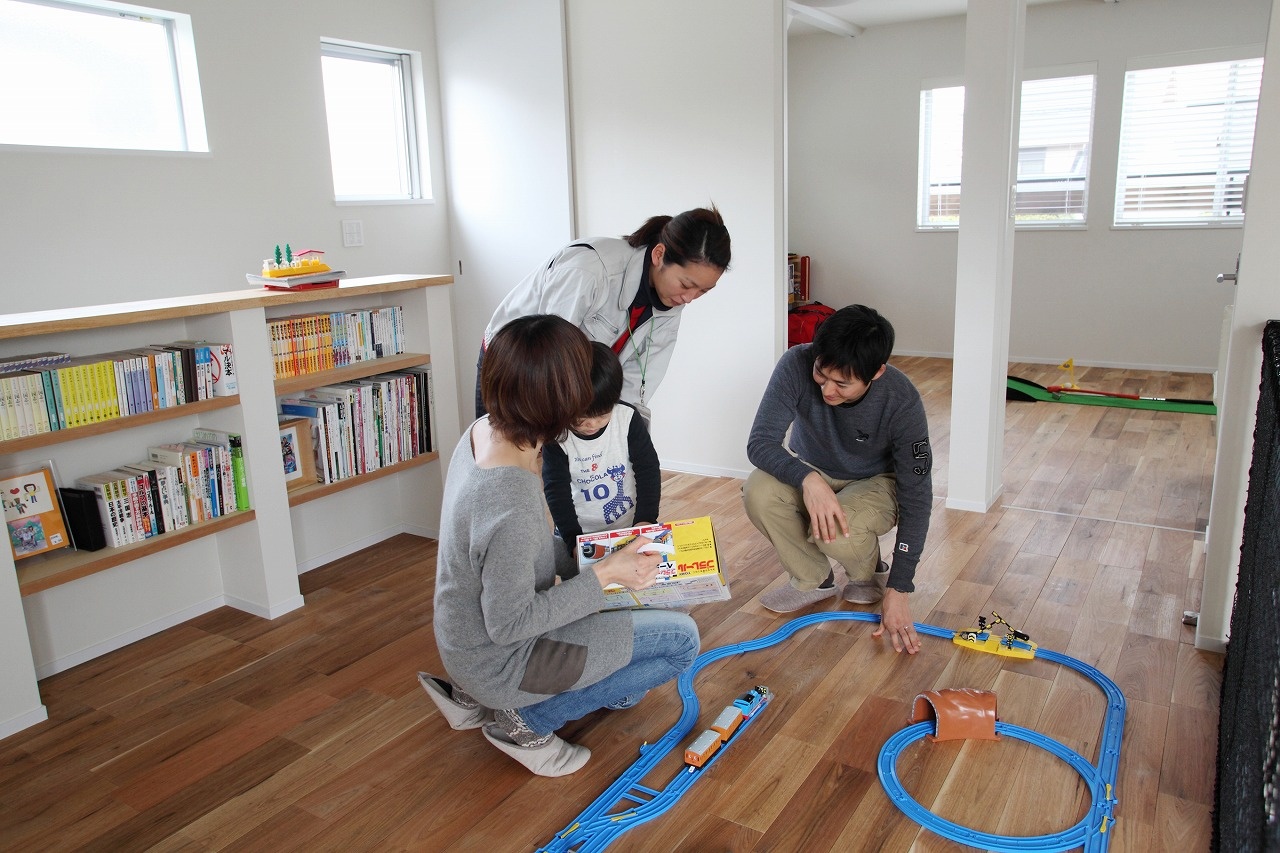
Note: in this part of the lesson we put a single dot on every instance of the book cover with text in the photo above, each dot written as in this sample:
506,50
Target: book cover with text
32,513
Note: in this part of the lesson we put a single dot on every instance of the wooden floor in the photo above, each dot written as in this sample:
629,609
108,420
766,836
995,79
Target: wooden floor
310,732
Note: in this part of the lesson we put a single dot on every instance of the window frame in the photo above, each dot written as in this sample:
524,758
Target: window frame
183,65
1222,217
924,188
413,124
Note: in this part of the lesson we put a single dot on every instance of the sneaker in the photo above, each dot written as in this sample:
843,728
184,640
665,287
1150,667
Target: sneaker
517,730
868,591
787,599
543,755
459,710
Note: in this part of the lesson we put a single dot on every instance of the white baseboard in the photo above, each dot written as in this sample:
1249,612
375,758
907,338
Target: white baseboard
13,725
1115,365
970,506
704,470
286,606
44,670
419,530
1122,365
364,542
1217,645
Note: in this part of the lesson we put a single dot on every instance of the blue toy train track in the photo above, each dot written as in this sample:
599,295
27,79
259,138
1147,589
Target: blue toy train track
626,803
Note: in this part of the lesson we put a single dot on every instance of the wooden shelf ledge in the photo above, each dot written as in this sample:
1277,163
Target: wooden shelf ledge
36,574
349,372
306,494
59,436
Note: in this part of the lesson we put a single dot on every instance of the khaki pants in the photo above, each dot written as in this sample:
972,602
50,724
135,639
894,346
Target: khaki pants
777,510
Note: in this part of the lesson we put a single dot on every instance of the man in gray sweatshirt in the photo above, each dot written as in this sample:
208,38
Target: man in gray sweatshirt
841,447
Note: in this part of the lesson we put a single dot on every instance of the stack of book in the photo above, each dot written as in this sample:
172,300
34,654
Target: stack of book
179,484
797,278
309,343
63,391
23,383
361,426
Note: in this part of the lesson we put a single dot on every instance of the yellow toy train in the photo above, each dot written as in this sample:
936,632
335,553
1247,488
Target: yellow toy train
1013,643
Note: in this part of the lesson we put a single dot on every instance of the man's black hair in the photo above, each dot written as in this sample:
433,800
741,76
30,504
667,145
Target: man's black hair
856,340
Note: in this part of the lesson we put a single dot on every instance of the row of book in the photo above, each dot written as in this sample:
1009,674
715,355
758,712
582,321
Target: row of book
358,427
797,278
178,484
60,391
309,343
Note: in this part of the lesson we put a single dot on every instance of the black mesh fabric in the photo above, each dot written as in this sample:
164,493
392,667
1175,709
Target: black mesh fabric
1245,810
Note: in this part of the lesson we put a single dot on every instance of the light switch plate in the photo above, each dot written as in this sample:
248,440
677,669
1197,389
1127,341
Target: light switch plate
352,233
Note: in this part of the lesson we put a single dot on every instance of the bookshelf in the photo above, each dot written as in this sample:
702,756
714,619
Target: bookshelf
61,609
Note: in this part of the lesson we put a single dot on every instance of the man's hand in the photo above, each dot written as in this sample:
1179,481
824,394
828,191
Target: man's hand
826,516
895,618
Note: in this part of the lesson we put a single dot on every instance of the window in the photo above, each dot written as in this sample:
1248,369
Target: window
941,132
1053,153
1186,143
373,107
98,75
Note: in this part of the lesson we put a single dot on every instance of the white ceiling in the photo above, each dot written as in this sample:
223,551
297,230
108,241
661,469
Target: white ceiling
808,16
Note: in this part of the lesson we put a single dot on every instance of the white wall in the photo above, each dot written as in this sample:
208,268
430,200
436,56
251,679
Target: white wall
1257,302
678,105
80,227
503,98
1102,296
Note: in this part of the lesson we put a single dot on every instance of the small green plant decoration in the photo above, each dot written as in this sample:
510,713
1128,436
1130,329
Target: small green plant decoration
288,253
279,257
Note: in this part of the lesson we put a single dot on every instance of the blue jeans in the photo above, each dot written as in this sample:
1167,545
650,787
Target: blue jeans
664,645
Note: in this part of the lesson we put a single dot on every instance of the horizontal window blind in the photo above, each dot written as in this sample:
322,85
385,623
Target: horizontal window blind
1053,150
1186,143
1054,135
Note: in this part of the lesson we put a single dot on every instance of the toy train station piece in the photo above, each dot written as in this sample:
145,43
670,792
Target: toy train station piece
726,723
1013,643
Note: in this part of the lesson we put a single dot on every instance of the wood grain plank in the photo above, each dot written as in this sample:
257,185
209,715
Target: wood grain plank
310,732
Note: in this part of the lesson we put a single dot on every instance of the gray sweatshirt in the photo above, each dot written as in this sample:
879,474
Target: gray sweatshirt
884,432
508,634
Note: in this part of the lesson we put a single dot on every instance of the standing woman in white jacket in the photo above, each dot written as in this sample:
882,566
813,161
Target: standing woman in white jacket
626,292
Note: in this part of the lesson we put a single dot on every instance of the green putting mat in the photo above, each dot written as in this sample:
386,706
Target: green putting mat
1024,390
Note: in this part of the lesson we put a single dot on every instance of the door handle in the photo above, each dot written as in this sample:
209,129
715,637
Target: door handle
1225,277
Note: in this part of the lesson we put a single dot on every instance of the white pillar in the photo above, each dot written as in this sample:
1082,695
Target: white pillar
1257,301
994,34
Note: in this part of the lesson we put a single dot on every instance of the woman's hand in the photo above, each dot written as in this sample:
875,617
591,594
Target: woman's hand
628,566
826,516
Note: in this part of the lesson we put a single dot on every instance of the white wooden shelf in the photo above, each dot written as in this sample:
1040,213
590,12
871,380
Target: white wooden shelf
65,607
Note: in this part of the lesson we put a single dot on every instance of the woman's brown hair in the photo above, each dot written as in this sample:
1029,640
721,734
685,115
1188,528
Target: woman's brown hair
536,379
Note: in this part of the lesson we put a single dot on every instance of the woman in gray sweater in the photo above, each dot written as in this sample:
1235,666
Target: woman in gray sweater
513,637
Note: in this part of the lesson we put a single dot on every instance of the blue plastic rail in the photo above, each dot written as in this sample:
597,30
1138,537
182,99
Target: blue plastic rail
626,803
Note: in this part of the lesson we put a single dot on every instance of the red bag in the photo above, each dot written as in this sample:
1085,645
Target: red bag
804,320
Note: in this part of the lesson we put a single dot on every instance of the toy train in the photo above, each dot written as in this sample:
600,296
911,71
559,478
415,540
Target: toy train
726,723
1013,643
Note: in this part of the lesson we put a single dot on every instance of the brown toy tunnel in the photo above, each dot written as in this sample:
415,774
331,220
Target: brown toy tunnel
962,713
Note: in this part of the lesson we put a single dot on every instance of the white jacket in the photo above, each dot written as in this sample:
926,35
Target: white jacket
591,283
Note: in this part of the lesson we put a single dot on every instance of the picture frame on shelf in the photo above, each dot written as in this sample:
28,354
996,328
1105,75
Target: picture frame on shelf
32,511
296,453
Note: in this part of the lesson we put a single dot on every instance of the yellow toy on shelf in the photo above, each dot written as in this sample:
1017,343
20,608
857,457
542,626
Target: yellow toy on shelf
288,264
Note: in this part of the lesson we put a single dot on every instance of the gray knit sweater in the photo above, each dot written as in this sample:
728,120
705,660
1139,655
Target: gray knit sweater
884,432
508,634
